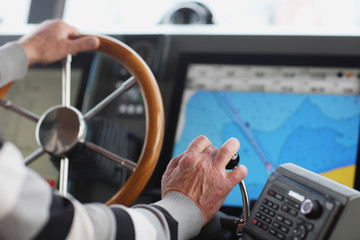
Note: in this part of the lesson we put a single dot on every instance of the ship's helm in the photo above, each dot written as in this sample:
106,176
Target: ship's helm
63,128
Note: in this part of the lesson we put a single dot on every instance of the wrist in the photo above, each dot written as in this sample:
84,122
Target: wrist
30,48
184,211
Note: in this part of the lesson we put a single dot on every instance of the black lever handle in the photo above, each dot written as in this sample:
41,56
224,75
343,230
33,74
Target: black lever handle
234,161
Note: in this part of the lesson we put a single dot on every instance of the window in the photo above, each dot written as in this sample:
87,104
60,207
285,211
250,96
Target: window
237,15
13,14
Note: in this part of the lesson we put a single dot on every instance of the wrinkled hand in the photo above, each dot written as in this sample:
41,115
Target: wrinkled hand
200,174
52,41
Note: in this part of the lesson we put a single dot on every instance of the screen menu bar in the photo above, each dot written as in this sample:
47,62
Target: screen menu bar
279,79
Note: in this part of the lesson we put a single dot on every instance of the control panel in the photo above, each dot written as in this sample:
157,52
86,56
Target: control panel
299,204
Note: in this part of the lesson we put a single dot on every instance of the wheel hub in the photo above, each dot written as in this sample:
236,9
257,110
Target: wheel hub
60,129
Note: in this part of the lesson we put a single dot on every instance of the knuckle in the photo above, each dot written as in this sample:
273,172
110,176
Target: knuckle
204,139
202,165
200,139
186,160
209,152
57,22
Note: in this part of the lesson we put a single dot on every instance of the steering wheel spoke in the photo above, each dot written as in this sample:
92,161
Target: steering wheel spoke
126,163
120,90
33,156
19,110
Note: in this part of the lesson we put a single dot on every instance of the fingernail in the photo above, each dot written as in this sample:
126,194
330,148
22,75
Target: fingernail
234,140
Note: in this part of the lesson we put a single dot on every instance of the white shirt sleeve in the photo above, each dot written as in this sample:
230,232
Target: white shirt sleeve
13,63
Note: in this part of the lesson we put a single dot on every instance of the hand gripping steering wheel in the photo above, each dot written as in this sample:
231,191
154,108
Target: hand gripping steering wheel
63,127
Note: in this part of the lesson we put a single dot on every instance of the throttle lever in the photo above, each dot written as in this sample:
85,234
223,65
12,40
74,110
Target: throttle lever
234,161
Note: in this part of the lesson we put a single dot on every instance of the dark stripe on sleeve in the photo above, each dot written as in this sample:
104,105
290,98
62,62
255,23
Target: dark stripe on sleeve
61,217
1,142
172,223
124,224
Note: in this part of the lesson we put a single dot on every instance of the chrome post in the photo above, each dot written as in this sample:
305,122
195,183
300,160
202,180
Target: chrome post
246,209
245,200
63,182
66,87
66,81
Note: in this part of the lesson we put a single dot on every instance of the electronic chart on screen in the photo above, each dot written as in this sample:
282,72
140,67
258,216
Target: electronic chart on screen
305,115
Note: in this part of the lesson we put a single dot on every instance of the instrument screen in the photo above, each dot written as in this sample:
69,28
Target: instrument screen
306,115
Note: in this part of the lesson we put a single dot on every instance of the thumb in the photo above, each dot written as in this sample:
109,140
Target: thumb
83,44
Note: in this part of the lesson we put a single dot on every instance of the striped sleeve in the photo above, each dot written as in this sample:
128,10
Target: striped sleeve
182,215
25,197
29,209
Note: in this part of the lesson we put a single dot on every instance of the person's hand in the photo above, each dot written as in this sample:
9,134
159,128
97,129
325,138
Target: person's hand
200,174
53,40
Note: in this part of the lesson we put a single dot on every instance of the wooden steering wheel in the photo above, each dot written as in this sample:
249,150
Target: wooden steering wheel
63,127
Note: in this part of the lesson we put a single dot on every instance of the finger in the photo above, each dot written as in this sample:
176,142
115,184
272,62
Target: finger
237,174
82,44
196,149
199,144
173,164
228,149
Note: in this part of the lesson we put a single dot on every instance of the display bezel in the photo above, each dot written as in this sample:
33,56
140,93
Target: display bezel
243,59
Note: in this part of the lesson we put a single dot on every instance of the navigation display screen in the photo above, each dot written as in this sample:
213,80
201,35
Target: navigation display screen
304,115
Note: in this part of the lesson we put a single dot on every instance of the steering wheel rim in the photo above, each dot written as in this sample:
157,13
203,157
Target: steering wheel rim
154,117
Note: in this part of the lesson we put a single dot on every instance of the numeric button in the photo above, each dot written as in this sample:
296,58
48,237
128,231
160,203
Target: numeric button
279,196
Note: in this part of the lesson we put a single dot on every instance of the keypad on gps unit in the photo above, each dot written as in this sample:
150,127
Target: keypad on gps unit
279,216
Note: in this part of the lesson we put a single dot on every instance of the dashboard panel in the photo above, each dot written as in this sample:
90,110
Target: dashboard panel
99,75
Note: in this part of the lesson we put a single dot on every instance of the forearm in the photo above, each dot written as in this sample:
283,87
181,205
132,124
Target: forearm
175,217
13,63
